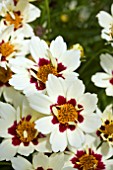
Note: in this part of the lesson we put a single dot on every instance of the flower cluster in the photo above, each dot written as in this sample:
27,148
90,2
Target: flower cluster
48,119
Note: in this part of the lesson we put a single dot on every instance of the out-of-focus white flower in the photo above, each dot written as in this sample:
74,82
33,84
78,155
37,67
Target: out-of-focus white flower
11,45
56,60
18,131
39,162
105,80
106,21
68,112
20,14
105,131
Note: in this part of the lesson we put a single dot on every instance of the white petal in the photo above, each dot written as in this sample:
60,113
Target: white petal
56,161
76,137
109,91
91,123
58,47
27,30
112,9
44,125
101,79
21,163
17,81
75,90
104,19
89,102
58,140
40,102
106,62
71,59
7,111
54,87
40,160
32,13
13,96
21,5
43,145
38,48
7,150
26,150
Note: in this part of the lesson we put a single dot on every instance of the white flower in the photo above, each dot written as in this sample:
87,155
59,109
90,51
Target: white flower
88,157
12,44
105,80
56,60
68,112
106,21
105,131
18,132
39,162
20,14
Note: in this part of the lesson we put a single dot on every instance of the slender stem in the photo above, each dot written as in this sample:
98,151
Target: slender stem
5,163
48,14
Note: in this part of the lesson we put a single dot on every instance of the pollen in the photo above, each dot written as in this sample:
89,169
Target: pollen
6,49
88,162
16,19
5,74
67,113
44,71
26,131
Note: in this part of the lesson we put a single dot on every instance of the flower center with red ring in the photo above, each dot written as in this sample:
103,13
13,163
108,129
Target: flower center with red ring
88,162
106,131
16,20
26,131
66,113
44,71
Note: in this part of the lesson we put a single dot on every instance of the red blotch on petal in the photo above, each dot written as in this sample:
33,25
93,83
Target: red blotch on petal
61,100
16,141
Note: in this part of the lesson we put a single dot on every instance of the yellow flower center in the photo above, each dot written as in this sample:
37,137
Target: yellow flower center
6,49
16,20
5,74
44,71
88,162
67,113
26,131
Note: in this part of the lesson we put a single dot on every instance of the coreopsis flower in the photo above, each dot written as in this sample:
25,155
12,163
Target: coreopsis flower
105,79
106,22
19,14
89,158
56,60
105,131
17,128
39,162
11,45
68,112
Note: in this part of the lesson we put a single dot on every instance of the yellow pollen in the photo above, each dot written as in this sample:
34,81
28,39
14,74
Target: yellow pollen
111,31
6,49
44,71
26,131
88,162
67,113
5,74
17,20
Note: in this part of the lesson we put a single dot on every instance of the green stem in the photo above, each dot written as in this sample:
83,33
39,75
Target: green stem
48,14
5,163
91,59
